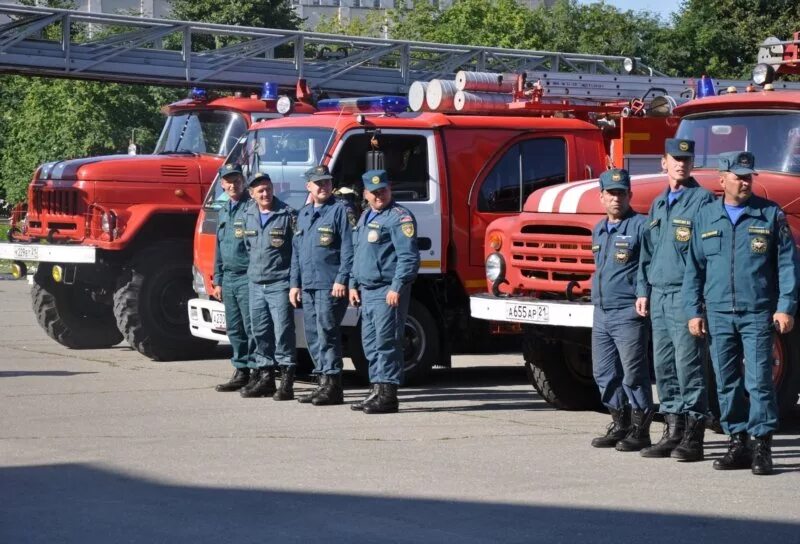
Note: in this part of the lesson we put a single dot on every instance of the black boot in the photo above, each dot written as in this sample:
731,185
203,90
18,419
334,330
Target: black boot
691,446
738,455
674,425
306,399
373,392
286,390
240,378
762,455
638,436
332,393
616,430
385,403
263,387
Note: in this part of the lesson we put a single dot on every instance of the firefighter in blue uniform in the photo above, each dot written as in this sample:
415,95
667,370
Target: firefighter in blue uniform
269,227
619,333
742,272
385,265
230,283
322,257
678,357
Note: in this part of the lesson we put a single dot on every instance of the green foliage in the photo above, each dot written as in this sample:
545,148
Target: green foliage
60,119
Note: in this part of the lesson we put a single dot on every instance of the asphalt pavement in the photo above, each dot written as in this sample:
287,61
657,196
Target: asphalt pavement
106,446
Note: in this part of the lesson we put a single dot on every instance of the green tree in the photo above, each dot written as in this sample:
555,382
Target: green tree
721,37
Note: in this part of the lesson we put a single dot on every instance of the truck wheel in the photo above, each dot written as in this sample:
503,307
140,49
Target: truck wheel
150,303
420,346
561,373
69,316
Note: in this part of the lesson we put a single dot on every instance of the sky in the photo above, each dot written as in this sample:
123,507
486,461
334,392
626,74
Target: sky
660,7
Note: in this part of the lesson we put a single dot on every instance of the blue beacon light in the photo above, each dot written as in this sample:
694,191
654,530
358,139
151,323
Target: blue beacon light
705,87
199,94
269,91
371,104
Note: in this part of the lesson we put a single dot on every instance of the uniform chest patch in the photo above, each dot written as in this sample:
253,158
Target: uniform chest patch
759,244
276,237
238,232
372,236
622,255
325,236
683,234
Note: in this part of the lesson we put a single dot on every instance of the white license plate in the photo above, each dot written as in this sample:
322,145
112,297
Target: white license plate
529,313
26,253
218,320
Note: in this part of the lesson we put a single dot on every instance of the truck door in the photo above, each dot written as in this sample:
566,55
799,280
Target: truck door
519,170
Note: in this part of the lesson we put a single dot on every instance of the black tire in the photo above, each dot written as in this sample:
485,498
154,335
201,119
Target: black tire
561,373
421,346
150,303
68,314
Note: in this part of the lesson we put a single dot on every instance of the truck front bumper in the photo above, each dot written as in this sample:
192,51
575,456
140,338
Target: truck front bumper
207,320
48,253
532,311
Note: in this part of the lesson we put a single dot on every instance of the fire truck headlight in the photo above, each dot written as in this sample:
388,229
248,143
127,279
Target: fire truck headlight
108,222
198,283
763,74
495,267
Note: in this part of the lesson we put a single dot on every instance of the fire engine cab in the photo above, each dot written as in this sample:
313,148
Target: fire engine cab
539,263
459,163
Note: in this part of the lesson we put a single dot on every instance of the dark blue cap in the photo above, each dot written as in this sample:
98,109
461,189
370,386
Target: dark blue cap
318,173
616,178
259,178
679,148
741,163
375,179
228,169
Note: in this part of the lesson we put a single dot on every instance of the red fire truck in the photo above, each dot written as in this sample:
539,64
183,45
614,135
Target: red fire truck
457,171
112,236
539,263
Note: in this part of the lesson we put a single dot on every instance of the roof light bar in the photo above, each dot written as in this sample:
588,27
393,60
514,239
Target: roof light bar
371,104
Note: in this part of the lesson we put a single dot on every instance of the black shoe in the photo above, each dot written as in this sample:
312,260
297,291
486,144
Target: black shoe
240,378
638,436
373,392
616,430
385,402
674,425
307,398
691,447
331,393
286,390
762,455
264,386
738,455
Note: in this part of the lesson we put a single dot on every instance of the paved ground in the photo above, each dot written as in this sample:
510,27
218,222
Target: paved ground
106,446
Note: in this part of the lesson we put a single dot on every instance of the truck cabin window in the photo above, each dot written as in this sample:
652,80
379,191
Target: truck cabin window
194,132
773,137
524,168
405,158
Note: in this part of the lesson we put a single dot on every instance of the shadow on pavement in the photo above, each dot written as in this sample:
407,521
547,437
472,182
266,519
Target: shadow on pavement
75,503
20,373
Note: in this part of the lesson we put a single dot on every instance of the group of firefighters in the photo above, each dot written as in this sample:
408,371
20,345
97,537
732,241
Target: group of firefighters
708,271
271,259
697,272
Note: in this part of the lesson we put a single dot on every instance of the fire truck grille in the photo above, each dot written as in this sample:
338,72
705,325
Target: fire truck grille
59,202
553,253
174,171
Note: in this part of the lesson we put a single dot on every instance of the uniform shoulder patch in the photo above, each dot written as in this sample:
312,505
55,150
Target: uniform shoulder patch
407,228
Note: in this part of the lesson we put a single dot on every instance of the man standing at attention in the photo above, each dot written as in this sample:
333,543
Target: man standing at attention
742,269
385,265
269,227
678,357
322,257
619,333
230,284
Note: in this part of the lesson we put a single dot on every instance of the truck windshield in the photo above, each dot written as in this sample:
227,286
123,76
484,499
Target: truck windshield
202,131
772,136
283,153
